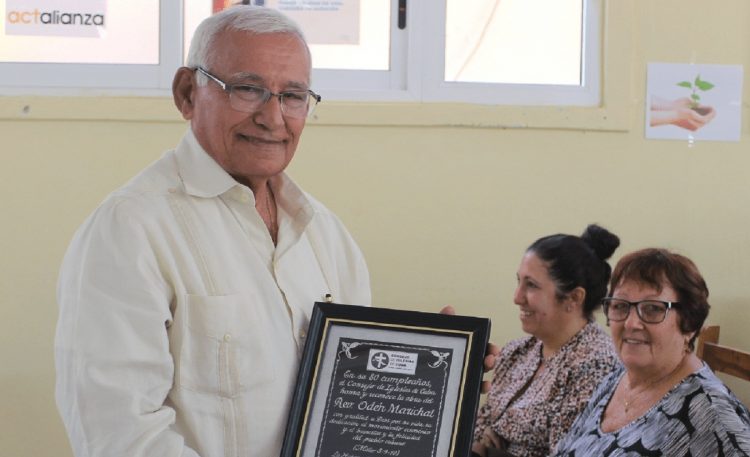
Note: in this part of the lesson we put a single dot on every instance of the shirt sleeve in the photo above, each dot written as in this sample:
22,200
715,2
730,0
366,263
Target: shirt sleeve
114,367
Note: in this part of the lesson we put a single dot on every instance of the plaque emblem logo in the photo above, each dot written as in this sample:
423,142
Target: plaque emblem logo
392,361
379,360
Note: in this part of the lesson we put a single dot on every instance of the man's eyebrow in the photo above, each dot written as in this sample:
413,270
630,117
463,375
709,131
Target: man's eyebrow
297,85
252,78
246,77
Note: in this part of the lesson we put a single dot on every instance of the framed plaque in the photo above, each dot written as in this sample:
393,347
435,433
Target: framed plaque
385,382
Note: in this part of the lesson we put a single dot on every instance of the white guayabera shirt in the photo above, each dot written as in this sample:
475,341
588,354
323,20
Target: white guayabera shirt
181,324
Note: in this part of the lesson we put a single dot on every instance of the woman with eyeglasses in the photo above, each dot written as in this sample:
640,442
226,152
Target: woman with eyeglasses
543,381
663,400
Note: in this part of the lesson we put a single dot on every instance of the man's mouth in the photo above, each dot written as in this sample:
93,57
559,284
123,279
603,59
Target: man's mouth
259,140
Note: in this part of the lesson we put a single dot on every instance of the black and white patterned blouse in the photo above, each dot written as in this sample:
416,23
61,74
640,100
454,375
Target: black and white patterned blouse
699,417
532,422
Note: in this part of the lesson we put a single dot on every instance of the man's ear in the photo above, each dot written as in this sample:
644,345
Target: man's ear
183,91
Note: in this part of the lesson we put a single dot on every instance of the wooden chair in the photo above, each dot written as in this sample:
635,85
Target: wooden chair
720,358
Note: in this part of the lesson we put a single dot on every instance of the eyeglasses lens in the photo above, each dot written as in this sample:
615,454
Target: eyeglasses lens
248,99
651,312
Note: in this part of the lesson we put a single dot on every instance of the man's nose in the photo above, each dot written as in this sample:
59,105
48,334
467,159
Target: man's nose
270,114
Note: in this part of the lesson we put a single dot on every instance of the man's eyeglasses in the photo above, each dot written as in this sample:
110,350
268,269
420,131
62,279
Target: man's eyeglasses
649,311
249,98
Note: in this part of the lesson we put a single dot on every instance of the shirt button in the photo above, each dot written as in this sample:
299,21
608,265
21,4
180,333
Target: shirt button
171,190
227,337
244,198
302,334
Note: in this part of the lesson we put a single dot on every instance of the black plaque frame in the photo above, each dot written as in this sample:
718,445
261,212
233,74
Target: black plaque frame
454,344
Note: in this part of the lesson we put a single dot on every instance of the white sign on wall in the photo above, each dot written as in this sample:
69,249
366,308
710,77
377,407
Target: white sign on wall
68,18
694,102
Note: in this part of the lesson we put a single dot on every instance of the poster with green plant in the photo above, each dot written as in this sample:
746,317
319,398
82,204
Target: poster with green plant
694,102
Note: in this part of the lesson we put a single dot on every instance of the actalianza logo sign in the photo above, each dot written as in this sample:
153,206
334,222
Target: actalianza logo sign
73,18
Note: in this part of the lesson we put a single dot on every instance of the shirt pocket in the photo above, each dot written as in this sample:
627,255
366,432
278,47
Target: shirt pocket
225,348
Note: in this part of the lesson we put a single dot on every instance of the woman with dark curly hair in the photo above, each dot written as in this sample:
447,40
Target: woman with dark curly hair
542,382
663,400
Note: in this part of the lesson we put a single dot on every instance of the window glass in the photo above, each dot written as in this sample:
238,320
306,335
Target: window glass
508,52
81,31
342,34
514,41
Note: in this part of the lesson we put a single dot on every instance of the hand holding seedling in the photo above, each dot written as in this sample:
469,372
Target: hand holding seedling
683,112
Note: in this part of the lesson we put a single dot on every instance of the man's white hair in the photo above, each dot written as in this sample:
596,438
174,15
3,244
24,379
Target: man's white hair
246,18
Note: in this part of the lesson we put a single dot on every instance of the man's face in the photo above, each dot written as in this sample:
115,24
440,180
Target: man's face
255,146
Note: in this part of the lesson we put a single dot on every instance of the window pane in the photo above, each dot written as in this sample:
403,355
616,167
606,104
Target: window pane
514,41
354,37
342,34
81,31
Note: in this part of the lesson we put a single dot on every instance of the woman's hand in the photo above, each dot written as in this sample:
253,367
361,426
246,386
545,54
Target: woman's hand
479,449
488,443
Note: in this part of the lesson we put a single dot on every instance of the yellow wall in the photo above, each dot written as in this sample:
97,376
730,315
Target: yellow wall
443,211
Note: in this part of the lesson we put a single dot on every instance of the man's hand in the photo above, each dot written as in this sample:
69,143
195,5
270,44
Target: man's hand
449,310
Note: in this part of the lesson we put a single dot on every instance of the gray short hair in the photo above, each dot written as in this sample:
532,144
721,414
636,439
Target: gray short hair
247,18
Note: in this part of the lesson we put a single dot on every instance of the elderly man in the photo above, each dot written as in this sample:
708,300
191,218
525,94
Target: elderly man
184,298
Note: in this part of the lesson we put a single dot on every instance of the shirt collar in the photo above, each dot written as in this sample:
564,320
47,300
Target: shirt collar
295,202
203,177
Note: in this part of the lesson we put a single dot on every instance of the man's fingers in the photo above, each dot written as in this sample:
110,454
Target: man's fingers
449,310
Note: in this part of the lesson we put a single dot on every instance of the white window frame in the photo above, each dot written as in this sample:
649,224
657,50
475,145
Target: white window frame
613,113
375,85
356,103
104,79
434,88
417,68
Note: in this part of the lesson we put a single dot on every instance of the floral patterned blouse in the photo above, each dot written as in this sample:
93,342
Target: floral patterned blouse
533,422
698,417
